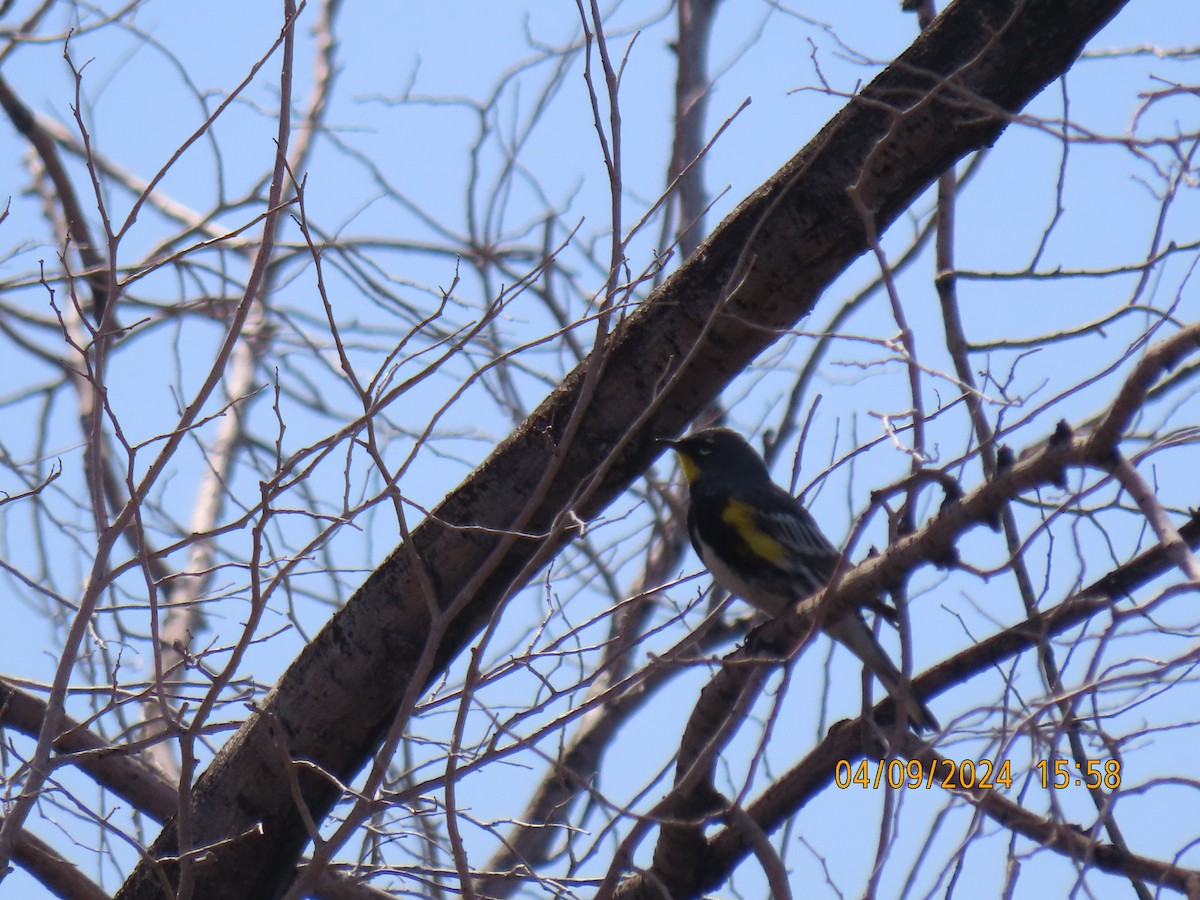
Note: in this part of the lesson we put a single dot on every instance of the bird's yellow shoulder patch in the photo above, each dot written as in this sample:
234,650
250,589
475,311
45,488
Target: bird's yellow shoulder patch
741,517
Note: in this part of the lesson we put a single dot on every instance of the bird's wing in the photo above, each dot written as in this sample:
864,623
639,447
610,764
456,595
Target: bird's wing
785,517
773,532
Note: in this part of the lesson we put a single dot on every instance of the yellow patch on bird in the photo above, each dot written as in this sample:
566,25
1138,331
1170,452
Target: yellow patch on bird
742,519
691,471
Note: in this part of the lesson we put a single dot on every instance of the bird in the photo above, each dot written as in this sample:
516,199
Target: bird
762,545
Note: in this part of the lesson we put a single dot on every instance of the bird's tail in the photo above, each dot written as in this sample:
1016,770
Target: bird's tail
853,632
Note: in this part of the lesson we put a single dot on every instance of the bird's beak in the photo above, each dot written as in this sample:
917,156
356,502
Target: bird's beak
670,442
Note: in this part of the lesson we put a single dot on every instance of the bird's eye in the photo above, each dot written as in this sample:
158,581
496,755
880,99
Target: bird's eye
704,449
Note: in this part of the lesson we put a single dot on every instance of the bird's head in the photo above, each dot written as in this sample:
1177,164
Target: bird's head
714,453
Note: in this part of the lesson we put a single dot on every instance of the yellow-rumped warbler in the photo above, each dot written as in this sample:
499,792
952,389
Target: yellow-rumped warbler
761,544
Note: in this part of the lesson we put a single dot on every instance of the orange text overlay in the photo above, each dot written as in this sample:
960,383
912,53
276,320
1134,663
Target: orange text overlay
984,774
